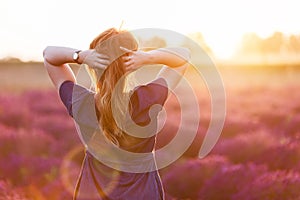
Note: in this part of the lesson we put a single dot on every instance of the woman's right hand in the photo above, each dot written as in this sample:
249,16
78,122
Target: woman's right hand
94,59
135,59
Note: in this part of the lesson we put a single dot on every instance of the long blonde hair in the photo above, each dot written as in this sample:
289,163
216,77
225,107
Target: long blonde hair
109,43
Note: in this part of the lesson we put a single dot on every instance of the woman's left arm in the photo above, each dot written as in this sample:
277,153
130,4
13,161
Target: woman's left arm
56,61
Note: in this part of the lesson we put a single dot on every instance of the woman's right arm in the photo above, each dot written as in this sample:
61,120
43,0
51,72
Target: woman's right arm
174,59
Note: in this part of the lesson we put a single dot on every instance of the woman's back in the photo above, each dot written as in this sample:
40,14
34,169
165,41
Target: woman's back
96,178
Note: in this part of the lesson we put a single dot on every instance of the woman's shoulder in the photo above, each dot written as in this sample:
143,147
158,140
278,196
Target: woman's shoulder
144,96
80,103
159,85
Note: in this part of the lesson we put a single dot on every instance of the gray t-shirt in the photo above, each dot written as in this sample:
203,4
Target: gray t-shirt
96,179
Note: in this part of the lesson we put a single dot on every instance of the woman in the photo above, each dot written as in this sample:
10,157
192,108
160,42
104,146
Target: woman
111,57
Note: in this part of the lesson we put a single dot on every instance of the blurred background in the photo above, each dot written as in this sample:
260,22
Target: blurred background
255,46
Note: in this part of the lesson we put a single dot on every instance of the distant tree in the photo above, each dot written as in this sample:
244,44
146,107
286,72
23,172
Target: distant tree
251,44
273,44
10,60
277,43
198,38
293,44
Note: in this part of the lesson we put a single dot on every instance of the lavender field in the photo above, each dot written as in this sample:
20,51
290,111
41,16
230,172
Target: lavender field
257,156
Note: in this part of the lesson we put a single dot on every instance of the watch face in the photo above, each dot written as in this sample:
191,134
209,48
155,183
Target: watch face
75,56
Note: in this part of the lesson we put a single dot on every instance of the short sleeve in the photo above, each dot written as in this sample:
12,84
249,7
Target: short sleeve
65,93
80,103
145,96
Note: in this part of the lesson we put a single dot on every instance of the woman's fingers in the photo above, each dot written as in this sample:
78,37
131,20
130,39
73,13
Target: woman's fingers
102,56
130,67
103,61
126,50
99,66
128,63
100,63
127,58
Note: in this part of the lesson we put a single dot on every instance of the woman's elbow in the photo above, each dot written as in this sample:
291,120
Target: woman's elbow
45,53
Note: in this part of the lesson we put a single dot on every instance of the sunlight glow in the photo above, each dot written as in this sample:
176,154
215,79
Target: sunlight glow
29,26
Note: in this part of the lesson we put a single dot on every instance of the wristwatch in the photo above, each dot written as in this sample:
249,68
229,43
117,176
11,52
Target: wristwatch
76,56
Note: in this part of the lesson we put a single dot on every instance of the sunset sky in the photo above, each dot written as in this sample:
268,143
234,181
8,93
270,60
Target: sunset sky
29,26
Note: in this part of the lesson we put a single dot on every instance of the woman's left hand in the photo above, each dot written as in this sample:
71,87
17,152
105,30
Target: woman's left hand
94,59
